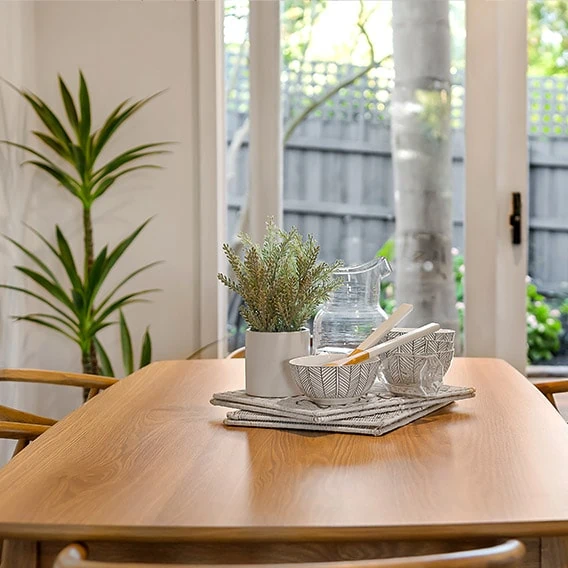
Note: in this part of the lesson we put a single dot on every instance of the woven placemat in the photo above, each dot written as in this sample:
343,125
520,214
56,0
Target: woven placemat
301,409
373,425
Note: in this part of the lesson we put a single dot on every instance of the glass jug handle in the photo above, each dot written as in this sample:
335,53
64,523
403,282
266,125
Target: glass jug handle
384,267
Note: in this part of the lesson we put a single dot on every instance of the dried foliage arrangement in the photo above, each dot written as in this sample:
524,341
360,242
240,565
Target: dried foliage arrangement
280,280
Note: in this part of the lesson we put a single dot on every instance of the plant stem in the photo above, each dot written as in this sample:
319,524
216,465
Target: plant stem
86,363
91,356
88,240
94,362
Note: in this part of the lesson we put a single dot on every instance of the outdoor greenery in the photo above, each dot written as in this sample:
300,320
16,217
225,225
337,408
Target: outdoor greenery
280,280
544,327
548,37
78,308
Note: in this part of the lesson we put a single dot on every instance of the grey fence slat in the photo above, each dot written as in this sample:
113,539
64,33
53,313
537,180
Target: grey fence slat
338,187
338,170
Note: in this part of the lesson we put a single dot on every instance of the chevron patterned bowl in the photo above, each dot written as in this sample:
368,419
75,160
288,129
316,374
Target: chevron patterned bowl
333,385
415,374
431,344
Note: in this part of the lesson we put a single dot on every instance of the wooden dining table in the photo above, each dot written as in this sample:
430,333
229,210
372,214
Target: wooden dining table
147,471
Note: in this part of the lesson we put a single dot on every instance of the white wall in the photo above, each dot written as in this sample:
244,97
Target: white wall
125,49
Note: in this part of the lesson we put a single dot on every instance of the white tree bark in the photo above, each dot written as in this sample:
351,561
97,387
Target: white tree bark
421,138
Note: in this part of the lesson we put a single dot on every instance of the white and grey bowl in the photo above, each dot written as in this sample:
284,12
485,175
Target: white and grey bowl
419,375
433,343
333,385
418,368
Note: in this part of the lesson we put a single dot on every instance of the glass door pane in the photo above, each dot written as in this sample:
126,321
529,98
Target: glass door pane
547,283
340,181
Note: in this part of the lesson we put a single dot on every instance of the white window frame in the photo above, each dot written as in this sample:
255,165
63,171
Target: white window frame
210,68
265,115
496,165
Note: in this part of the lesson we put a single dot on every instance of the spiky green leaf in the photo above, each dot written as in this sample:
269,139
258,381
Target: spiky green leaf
69,104
129,156
53,288
146,353
47,116
127,279
54,144
95,277
41,299
33,257
46,324
85,104
112,259
107,182
121,302
104,360
126,346
67,260
118,117
71,327
64,179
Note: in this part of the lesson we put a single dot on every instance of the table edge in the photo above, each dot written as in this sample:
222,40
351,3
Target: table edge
282,534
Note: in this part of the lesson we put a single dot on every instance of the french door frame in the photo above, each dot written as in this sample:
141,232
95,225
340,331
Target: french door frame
496,161
496,165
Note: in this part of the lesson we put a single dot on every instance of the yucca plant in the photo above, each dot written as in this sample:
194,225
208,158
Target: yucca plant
78,310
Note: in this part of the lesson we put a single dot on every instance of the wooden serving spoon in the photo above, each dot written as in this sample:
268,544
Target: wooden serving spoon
386,346
395,318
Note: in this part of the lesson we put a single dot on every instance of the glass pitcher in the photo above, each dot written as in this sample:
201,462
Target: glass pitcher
353,310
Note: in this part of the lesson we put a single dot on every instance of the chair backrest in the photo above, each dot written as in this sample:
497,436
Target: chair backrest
237,354
506,554
26,427
550,388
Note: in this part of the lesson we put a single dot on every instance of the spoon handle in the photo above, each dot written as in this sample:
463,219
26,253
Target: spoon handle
396,317
388,345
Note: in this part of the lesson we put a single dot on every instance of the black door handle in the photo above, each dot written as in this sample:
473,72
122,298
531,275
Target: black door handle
515,219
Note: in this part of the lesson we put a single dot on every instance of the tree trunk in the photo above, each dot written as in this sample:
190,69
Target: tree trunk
421,145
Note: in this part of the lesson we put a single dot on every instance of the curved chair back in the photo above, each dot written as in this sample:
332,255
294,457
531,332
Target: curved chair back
503,555
237,354
550,388
26,427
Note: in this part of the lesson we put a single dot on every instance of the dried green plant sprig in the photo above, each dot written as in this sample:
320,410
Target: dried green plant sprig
280,280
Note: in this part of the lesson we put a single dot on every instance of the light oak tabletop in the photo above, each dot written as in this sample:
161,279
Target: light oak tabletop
149,459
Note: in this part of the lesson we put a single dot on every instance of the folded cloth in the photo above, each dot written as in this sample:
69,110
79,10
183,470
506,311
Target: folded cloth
371,425
377,402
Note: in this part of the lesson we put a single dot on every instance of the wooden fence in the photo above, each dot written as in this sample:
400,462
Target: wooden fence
338,172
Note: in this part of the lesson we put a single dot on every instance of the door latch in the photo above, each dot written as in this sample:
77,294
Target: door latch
515,219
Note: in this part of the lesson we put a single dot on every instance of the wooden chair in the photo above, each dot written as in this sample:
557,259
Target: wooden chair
550,388
502,554
26,427
237,354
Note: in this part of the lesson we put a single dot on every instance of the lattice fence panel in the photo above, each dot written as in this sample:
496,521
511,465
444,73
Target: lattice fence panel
367,99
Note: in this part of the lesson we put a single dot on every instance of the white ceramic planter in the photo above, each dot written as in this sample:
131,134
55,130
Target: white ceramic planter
268,372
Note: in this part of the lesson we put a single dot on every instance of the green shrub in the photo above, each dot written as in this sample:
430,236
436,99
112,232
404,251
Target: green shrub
544,328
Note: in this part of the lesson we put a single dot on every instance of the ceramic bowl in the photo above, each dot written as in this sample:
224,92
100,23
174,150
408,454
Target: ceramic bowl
333,385
437,342
415,374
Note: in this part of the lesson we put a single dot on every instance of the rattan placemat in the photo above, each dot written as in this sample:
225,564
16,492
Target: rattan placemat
303,410
373,425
